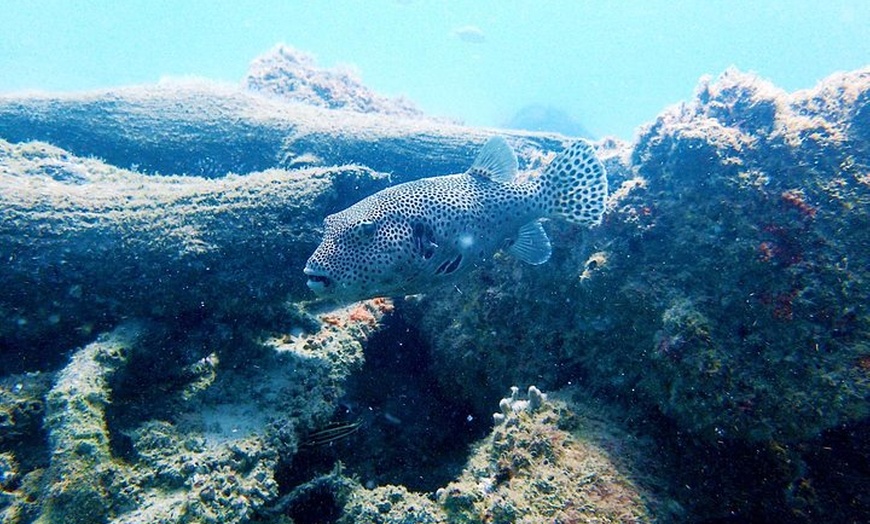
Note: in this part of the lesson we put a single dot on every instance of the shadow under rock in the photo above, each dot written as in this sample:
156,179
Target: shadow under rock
412,432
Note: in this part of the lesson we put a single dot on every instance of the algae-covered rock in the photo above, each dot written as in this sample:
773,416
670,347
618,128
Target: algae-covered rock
537,465
208,483
214,455
22,405
114,243
80,475
133,438
720,308
546,460
727,285
192,199
210,130
293,75
390,505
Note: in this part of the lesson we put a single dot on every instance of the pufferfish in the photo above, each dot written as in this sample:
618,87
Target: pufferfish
411,237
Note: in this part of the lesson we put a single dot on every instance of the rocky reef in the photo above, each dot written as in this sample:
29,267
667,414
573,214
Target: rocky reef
546,460
114,244
162,360
291,74
541,464
722,286
202,443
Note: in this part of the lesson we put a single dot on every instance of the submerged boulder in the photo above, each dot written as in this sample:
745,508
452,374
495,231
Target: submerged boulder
292,74
86,244
726,287
545,463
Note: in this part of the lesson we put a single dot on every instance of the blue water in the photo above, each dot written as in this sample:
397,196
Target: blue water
608,66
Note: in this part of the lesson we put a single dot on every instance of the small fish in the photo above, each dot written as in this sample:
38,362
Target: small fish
333,432
410,237
470,34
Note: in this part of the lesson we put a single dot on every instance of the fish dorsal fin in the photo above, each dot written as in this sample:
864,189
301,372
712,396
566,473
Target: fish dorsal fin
532,244
496,161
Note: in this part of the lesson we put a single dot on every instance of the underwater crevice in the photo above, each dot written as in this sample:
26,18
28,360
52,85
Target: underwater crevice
411,433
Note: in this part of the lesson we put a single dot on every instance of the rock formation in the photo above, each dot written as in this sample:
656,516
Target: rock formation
720,310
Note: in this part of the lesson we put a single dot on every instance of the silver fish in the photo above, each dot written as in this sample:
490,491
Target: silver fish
411,237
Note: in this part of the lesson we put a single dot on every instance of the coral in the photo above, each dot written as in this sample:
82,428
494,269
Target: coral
512,405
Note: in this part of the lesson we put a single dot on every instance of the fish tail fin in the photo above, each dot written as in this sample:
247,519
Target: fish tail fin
575,185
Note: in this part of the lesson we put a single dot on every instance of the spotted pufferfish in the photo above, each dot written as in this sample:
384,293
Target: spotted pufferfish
410,237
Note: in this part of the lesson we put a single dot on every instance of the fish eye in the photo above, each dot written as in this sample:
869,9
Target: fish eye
365,229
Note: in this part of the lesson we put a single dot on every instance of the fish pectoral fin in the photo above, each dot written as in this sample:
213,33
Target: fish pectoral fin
532,244
496,161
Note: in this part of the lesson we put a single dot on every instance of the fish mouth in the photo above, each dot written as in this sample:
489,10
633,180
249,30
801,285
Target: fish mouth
318,281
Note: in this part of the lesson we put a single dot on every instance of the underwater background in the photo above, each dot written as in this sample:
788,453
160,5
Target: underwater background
703,355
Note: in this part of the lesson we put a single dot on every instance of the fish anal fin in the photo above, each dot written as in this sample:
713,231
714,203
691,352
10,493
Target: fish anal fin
496,161
532,244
